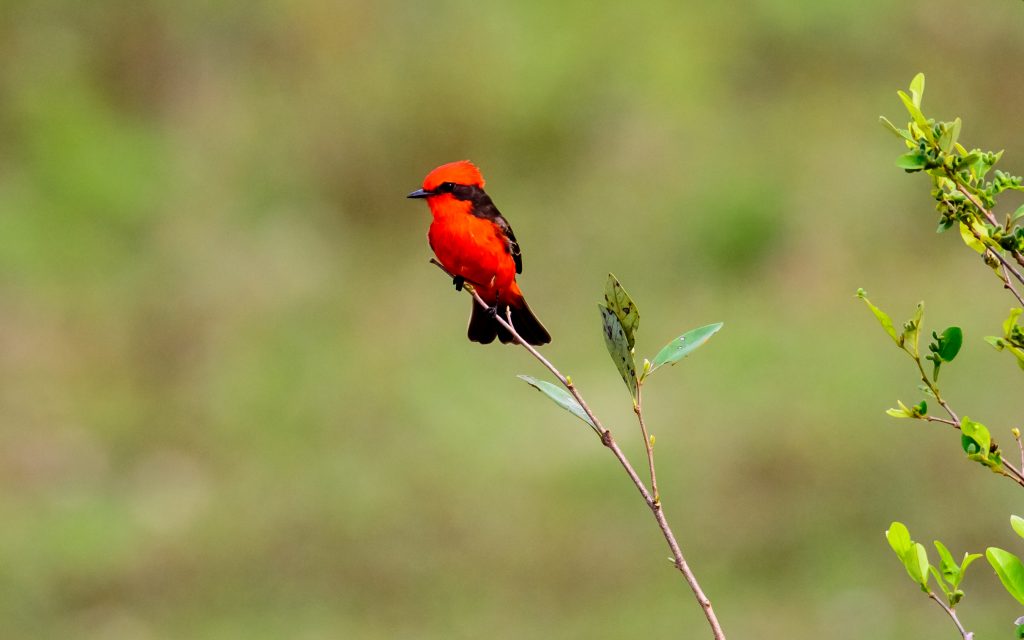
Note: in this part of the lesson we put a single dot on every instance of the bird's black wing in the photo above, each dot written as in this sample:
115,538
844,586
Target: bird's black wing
484,208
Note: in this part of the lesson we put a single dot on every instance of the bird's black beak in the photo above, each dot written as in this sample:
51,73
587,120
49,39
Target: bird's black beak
420,193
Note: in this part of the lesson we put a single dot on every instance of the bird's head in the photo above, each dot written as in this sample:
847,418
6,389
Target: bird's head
455,179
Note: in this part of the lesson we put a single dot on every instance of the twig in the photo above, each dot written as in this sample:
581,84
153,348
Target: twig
609,442
1017,475
1009,285
638,409
967,635
935,391
974,200
1016,436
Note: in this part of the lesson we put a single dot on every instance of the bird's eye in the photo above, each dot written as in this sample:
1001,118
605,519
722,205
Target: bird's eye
446,187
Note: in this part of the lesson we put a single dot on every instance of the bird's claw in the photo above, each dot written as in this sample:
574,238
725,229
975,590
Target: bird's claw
458,281
493,311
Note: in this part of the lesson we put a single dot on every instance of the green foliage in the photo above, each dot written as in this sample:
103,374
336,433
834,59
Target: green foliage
944,348
977,444
617,342
883,318
618,301
919,411
965,194
1012,339
620,320
561,397
912,554
1009,569
963,189
684,345
948,575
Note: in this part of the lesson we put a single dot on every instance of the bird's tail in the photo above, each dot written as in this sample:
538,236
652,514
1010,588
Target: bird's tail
483,327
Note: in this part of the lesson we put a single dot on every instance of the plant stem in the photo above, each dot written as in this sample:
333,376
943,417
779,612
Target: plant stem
638,409
935,390
609,442
967,635
1017,475
1009,285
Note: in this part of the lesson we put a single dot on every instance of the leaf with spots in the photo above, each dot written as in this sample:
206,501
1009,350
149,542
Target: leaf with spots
619,303
684,345
618,348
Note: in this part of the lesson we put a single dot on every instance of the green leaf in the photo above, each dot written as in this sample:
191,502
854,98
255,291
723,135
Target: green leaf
975,437
949,343
619,302
950,569
917,411
898,537
684,345
618,348
1011,321
968,559
950,135
912,161
883,317
913,555
917,89
1018,525
912,330
915,114
942,585
916,563
1009,569
970,239
902,133
561,397
1017,214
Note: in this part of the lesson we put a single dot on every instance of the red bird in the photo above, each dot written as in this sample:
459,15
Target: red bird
476,244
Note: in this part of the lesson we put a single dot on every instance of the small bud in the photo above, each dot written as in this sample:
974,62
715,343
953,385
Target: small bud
1016,433
652,440
568,380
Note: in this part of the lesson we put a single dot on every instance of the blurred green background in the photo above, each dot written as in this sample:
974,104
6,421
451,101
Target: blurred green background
236,401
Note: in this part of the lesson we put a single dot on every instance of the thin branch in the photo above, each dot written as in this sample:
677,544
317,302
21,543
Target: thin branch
1009,285
974,200
638,409
1021,447
967,635
1007,469
935,390
609,442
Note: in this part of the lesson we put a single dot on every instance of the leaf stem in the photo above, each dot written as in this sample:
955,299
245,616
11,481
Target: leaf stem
606,439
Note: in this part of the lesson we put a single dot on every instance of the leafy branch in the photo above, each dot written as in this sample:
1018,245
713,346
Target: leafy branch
965,195
620,320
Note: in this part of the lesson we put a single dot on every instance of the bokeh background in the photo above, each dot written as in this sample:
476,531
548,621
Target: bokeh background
236,401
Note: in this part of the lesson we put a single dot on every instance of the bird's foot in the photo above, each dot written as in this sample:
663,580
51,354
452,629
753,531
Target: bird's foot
493,311
458,281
